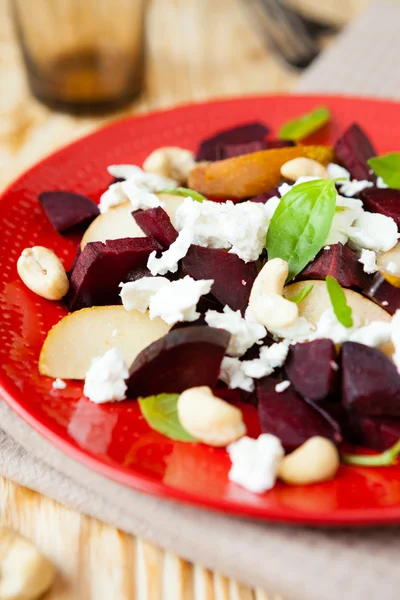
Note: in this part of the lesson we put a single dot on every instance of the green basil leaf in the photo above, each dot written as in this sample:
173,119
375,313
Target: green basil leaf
161,414
301,223
303,126
339,303
302,294
385,459
181,191
387,167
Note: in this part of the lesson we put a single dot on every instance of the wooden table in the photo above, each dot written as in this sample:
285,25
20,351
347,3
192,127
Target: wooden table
95,561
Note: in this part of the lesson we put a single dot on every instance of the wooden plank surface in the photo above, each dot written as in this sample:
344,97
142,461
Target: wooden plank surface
211,51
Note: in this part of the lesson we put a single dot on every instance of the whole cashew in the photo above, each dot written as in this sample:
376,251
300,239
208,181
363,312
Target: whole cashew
266,302
172,162
208,418
43,273
303,167
314,461
25,573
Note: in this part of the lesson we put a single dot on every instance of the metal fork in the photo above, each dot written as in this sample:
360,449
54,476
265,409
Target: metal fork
292,36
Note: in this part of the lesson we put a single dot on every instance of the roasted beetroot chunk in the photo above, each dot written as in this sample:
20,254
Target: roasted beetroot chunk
182,359
67,209
156,224
290,417
243,134
230,150
233,278
384,201
370,382
311,368
101,267
378,434
339,262
353,149
384,294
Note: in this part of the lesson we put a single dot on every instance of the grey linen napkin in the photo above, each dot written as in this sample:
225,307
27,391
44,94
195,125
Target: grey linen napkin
298,563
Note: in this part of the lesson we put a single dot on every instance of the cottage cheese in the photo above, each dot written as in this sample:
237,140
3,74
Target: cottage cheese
169,260
255,463
244,334
59,384
282,386
233,375
105,379
352,188
239,228
177,301
335,171
374,231
136,295
368,260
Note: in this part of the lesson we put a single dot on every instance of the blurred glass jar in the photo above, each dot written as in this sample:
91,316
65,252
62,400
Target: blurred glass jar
82,56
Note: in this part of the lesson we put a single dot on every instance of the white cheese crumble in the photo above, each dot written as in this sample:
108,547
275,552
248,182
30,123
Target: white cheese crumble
233,375
299,331
380,183
136,295
169,260
334,365
244,334
114,332
105,379
352,188
385,303
239,228
178,300
282,386
255,463
391,268
368,260
59,384
335,171
372,334
327,248
374,231
138,188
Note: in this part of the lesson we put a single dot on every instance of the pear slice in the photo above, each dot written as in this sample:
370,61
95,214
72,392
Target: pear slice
79,337
317,302
119,223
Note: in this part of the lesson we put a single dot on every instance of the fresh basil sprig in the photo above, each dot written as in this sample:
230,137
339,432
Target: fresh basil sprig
303,126
387,167
385,459
161,414
339,303
301,223
302,294
181,191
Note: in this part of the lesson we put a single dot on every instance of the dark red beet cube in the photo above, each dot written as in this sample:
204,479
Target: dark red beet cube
182,359
279,144
384,201
353,149
101,267
243,134
339,262
378,433
156,224
290,417
67,209
370,381
311,367
231,150
233,278
384,294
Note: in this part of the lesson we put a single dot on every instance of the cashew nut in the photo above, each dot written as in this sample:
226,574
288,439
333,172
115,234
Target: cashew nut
266,302
172,162
43,273
25,573
314,461
303,167
208,418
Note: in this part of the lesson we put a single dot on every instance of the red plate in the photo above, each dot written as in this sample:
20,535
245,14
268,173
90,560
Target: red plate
114,439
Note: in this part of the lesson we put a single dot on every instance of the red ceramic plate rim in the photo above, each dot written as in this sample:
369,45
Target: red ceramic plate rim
144,483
